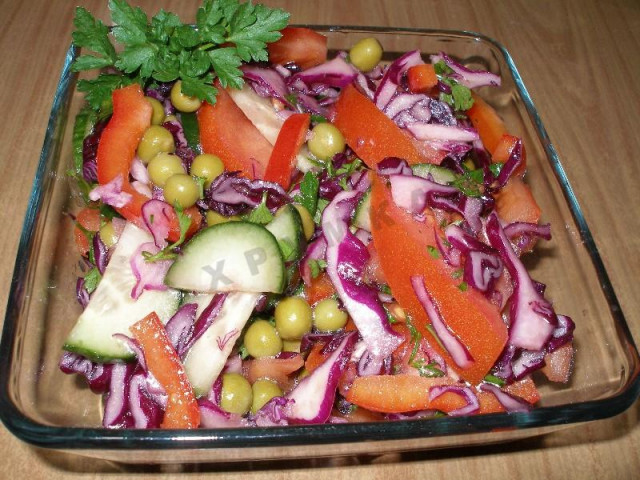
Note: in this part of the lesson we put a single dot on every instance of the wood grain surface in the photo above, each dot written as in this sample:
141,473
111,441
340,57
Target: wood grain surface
581,63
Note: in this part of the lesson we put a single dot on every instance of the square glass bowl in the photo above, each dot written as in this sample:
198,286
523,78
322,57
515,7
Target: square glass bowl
47,408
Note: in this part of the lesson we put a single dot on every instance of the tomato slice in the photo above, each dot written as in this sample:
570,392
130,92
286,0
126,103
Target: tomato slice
403,245
373,135
283,158
422,78
515,202
302,46
226,131
165,365
89,220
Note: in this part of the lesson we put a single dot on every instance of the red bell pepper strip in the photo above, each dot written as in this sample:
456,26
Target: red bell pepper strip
226,131
302,46
396,393
118,144
165,365
373,135
403,247
422,78
283,158
117,149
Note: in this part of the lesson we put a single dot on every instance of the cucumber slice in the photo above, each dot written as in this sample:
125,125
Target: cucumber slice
288,230
232,256
112,310
362,215
208,355
440,175
191,130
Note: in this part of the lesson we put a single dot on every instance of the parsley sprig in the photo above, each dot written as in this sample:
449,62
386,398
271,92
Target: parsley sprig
163,49
460,97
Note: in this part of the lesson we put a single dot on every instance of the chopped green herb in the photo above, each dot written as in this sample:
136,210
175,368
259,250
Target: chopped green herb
261,213
429,370
91,280
463,287
495,380
322,204
317,266
386,289
315,118
308,196
167,253
456,274
433,251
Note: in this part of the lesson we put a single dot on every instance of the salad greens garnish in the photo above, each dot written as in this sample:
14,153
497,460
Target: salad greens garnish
460,97
168,252
261,213
425,369
308,196
163,49
316,267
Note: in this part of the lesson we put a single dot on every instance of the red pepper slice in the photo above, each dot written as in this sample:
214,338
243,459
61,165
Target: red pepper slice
373,135
165,365
283,158
403,246
118,144
117,149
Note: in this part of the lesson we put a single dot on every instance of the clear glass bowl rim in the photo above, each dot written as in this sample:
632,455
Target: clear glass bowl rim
70,438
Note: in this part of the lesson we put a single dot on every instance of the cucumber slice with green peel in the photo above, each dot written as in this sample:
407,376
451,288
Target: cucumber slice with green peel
111,309
288,230
362,215
440,175
209,353
229,257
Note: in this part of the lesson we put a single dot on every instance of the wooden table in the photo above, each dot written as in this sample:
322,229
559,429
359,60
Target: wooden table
581,63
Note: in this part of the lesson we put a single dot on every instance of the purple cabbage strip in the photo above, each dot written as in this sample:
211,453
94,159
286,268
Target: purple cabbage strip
312,399
82,295
273,413
90,152
441,113
315,251
212,416
562,334
346,259
392,77
334,73
180,327
183,150
531,317
509,402
229,194
512,163
149,275
394,166
206,318
465,76
98,375
458,351
111,193
156,216
116,408
442,133
267,82
145,412
472,406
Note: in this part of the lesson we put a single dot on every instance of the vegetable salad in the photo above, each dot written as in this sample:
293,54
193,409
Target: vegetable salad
274,235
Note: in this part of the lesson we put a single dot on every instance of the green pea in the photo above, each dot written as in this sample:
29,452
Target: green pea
366,54
181,188
263,390
182,102
293,318
163,166
237,395
326,141
207,166
261,340
327,316
155,139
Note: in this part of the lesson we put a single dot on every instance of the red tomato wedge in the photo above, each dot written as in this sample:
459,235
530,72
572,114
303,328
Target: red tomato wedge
118,144
487,122
422,78
515,203
396,393
503,151
523,389
277,369
320,288
402,244
165,365
226,131
283,158
88,219
373,135
303,46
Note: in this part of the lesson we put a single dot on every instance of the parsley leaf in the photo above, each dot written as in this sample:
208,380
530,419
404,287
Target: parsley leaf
91,279
261,213
316,267
163,49
308,196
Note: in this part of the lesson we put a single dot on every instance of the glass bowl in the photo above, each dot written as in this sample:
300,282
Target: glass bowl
47,408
